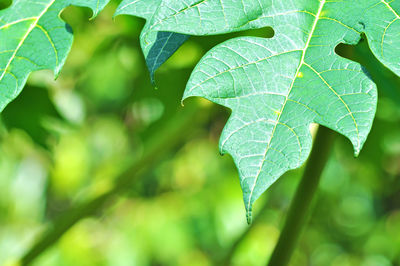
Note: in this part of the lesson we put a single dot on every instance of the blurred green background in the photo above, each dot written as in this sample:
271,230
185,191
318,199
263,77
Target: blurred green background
65,142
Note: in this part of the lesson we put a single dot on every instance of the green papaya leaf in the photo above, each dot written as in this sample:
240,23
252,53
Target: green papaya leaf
33,37
157,46
276,88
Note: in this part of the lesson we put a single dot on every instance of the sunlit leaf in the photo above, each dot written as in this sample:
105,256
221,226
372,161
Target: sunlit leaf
277,87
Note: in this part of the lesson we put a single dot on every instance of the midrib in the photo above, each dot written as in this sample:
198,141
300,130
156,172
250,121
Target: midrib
31,27
321,6
390,8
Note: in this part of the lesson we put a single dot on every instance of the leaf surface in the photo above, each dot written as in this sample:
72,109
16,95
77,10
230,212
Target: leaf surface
33,37
277,87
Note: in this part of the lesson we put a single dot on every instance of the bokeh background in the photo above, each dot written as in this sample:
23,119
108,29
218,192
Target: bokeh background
66,142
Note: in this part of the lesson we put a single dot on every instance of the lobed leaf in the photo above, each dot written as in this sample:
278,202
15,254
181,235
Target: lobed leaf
33,37
277,87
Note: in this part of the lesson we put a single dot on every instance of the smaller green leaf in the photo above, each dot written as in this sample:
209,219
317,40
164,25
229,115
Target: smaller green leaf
33,37
157,46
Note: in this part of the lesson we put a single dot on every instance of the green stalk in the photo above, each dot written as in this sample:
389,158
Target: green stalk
301,204
165,139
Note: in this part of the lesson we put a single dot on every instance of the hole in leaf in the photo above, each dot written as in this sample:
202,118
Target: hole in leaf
4,4
348,51
266,32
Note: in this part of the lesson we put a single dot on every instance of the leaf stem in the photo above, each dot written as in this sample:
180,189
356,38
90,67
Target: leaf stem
301,204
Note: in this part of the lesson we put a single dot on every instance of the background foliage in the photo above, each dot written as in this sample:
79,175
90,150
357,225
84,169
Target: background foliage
64,142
